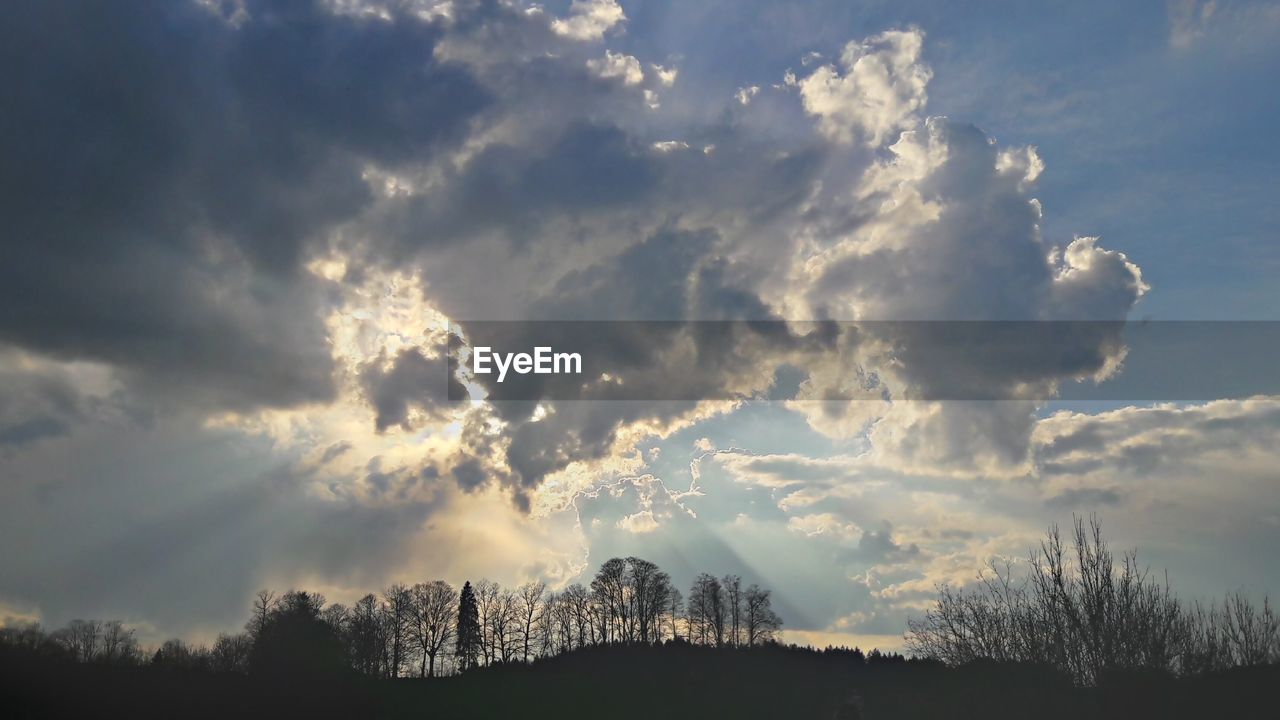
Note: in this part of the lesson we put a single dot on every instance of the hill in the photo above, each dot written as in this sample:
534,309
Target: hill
669,681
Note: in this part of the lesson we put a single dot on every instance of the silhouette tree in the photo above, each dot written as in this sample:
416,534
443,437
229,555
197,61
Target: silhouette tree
578,602
118,644
608,591
230,653
81,638
647,590
30,637
706,610
1082,615
504,625
486,596
174,654
469,639
557,624
365,636
531,596
732,585
338,616
761,622
296,642
397,614
264,603
674,607
1090,615
435,605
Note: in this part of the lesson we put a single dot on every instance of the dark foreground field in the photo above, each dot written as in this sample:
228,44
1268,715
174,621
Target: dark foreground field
636,682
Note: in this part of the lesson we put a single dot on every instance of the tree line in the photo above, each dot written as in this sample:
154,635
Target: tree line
1092,615
432,628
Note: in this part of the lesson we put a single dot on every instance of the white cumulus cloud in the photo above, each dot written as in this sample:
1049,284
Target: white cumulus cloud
589,19
617,65
876,90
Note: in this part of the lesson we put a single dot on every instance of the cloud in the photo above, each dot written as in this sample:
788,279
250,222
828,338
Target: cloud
877,90
666,75
334,451
640,522
446,199
1188,20
1170,480
169,173
821,523
411,380
589,20
1074,498
947,198
860,239
40,399
617,65
1154,439
878,546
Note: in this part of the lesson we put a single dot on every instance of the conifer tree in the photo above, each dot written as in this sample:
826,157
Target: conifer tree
469,639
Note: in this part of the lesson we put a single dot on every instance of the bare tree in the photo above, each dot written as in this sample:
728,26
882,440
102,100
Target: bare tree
548,625
397,612
1090,614
609,590
530,604
578,601
366,638
732,585
706,610
1252,634
230,653
180,656
336,615
674,606
435,606
487,592
264,603
410,628
81,639
760,622
647,590
557,620
24,635
119,644
503,626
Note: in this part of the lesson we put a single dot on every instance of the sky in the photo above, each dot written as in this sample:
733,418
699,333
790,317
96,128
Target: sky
239,236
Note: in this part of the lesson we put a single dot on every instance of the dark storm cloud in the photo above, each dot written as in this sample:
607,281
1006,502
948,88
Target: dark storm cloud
35,405
878,546
513,191
412,381
469,475
25,431
164,173
41,401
